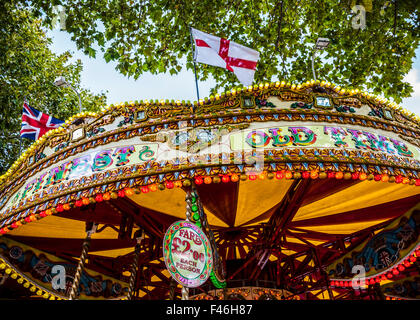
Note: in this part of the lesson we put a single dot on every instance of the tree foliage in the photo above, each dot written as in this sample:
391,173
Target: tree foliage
28,69
154,36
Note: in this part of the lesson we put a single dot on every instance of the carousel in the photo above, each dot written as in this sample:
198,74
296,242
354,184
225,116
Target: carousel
276,191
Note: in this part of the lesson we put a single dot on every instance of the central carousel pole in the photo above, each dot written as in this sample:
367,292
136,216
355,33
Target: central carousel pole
195,213
188,213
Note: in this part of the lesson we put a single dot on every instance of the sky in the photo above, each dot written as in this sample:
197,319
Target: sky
99,76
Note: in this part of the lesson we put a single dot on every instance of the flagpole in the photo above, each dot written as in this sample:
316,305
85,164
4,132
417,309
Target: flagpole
20,136
20,144
195,70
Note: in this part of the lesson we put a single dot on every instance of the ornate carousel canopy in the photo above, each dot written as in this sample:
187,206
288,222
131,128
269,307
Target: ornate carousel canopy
294,185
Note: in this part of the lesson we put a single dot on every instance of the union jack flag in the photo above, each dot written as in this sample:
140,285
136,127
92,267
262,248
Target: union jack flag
35,123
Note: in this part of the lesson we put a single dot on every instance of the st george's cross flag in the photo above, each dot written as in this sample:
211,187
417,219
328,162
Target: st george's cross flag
35,123
230,55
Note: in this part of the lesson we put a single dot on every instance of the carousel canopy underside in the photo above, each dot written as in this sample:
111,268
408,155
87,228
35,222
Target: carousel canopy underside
332,208
331,211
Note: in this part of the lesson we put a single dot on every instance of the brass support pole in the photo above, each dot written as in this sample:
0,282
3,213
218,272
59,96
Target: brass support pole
90,229
134,267
133,272
185,291
225,293
80,267
172,287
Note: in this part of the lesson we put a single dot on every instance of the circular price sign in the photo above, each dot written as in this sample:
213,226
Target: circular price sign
187,254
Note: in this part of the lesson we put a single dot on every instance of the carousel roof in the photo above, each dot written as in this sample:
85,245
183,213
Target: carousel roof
296,176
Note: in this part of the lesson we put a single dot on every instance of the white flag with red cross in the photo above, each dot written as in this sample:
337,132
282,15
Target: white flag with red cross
219,52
